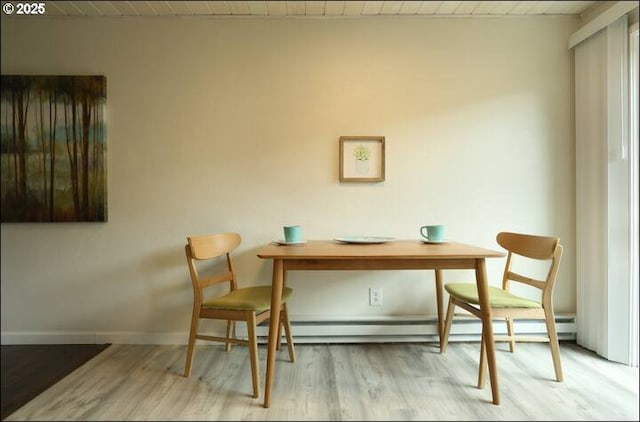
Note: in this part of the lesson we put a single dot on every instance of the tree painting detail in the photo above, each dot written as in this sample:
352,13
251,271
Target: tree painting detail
53,149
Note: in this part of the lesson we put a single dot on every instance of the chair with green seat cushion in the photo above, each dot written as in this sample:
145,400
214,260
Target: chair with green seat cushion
257,299
249,304
499,298
507,305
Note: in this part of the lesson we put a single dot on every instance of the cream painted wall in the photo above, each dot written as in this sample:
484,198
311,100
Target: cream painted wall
233,125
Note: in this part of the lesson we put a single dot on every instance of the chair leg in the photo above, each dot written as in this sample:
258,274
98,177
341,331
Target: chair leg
195,320
553,342
482,368
511,333
284,315
279,342
230,331
253,353
444,340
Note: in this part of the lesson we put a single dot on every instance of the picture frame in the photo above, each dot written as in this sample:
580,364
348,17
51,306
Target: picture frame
54,149
362,159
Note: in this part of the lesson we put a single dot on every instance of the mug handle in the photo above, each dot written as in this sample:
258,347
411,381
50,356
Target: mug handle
426,236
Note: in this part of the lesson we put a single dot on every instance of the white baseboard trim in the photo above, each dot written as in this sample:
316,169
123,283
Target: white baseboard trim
411,328
314,329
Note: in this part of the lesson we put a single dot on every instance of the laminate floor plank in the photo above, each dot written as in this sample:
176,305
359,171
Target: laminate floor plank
388,381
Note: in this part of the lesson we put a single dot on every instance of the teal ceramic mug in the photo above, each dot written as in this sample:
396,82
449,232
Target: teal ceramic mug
433,233
292,234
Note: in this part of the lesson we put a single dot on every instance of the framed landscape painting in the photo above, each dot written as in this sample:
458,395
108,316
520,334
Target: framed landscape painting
53,149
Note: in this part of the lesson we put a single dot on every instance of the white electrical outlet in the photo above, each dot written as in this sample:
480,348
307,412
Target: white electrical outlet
375,296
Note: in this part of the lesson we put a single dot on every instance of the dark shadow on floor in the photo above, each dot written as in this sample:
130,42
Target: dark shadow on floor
28,370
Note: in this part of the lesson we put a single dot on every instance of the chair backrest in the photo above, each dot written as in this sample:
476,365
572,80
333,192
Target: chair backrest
541,248
206,247
213,245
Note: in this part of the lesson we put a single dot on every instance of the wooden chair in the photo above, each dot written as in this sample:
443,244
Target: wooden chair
509,306
249,304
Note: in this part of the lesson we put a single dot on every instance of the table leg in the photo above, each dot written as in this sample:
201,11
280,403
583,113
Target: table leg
440,300
487,327
274,327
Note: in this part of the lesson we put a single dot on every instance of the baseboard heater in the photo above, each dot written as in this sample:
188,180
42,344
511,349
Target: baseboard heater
402,328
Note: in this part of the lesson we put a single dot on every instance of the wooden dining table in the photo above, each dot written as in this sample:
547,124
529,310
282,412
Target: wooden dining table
388,255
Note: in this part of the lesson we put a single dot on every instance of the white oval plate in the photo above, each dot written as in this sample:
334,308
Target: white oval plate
364,239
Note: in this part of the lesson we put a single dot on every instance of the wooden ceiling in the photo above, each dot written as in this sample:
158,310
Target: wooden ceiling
314,8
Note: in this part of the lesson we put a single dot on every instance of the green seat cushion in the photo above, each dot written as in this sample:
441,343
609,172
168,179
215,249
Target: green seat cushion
499,298
256,298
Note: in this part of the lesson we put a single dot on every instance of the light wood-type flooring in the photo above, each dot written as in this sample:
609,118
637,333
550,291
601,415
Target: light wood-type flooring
379,381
